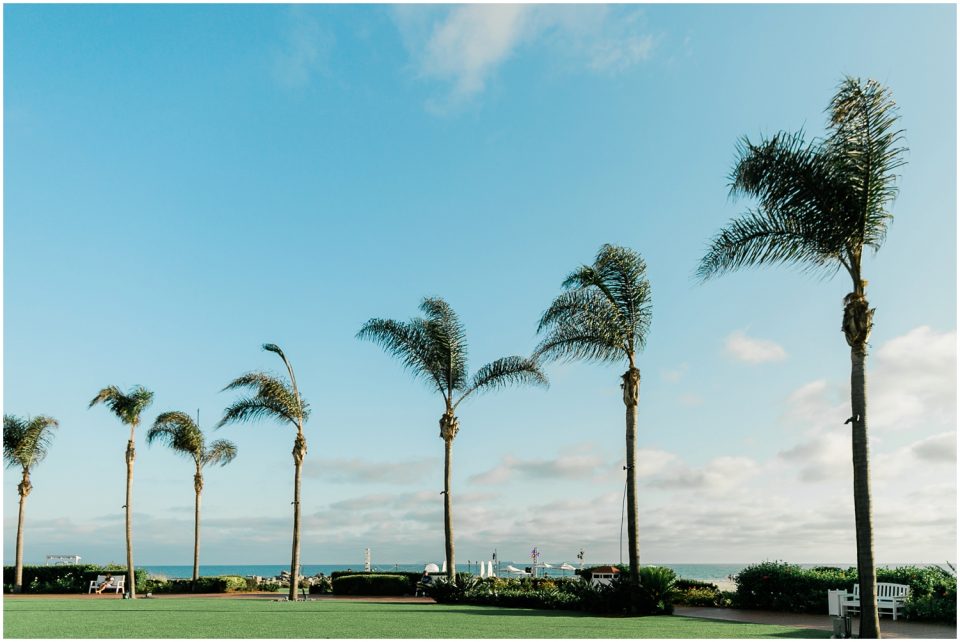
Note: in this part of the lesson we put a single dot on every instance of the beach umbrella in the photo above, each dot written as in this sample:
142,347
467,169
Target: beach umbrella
490,572
431,568
444,569
483,570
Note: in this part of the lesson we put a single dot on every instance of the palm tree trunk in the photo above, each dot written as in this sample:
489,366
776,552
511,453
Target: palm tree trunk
198,488
24,489
448,508
631,396
299,452
866,569
131,581
857,324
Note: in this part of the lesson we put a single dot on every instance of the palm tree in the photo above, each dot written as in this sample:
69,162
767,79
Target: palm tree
25,444
604,315
434,349
275,398
178,431
819,205
127,408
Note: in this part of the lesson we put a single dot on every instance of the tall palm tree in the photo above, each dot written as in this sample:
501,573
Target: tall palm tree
434,349
127,407
604,315
820,204
277,399
178,431
25,444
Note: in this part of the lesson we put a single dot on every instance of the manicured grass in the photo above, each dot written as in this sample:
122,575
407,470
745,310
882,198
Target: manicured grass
250,618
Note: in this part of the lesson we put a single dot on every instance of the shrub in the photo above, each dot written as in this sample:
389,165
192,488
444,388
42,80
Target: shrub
219,584
787,587
444,591
321,585
70,578
697,597
684,585
371,584
411,578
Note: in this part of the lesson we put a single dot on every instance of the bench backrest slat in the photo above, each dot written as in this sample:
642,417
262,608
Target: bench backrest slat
886,589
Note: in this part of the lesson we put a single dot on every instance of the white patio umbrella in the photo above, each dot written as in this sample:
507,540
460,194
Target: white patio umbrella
483,571
444,569
431,568
490,572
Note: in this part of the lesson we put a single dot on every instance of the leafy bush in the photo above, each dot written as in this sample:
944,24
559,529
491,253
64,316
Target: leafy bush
444,591
682,584
411,578
371,584
70,578
698,597
779,586
321,585
655,595
219,584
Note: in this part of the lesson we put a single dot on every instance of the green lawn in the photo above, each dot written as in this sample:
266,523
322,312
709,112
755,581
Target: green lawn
247,618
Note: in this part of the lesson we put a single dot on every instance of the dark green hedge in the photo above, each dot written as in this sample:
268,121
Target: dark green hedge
220,584
72,578
371,584
778,586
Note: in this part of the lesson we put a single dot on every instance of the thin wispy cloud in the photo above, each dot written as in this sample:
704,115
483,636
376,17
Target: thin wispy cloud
304,51
362,471
464,47
750,350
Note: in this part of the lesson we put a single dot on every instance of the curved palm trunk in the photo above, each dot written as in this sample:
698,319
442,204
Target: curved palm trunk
23,488
857,323
449,425
198,488
631,396
131,581
299,452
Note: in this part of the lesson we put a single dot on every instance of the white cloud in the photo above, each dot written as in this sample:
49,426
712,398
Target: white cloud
911,390
743,348
562,467
465,45
718,476
471,42
305,50
674,375
361,471
939,448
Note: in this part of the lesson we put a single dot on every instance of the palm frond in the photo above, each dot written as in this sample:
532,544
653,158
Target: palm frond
621,275
760,238
447,340
409,342
127,407
866,147
220,452
26,442
272,397
178,431
505,372
818,203
583,324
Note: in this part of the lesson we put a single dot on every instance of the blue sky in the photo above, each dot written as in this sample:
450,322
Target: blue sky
184,183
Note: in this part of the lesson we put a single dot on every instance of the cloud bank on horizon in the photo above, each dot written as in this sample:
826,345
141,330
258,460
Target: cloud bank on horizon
730,508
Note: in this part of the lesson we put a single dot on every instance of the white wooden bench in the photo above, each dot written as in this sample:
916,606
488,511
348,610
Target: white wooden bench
890,598
116,585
